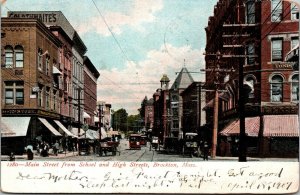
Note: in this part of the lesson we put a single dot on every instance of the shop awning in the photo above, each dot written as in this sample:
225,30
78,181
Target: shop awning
86,115
88,135
111,133
63,128
293,54
251,127
75,132
96,119
14,126
281,126
56,71
49,126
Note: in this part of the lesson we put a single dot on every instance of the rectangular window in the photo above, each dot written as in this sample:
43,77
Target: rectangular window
250,54
19,60
276,10
295,92
294,42
40,60
294,12
47,65
40,98
9,59
250,12
9,96
277,50
276,92
20,96
54,100
48,98
14,93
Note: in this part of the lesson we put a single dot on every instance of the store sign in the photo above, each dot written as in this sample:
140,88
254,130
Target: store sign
19,111
284,65
46,17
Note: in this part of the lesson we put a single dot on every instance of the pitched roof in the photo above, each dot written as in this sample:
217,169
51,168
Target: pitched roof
183,80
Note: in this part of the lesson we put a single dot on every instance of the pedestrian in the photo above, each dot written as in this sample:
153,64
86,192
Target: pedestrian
45,149
38,147
29,151
205,151
12,157
56,148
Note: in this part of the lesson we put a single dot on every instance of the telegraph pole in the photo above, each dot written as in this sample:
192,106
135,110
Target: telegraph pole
242,137
217,71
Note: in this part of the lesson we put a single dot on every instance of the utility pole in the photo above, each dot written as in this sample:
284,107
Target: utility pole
242,138
217,71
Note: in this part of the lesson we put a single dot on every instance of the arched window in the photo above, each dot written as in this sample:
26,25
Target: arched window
295,88
276,88
19,56
250,80
9,57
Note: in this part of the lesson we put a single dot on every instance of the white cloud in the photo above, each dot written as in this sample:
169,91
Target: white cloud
127,87
142,11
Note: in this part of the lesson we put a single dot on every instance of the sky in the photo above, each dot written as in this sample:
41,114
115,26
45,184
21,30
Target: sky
133,43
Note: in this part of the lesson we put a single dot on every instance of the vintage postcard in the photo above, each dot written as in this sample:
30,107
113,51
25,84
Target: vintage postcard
150,96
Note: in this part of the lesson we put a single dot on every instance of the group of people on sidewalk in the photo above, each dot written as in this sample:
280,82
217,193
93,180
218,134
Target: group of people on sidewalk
42,149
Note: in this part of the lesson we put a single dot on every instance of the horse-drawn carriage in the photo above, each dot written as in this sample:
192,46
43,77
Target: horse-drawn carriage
107,145
191,145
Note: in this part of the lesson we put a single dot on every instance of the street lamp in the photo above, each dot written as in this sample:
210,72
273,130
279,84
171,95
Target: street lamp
100,108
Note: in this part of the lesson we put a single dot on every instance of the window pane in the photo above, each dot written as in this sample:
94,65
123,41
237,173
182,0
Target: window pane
19,96
276,10
295,88
250,51
276,87
294,42
251,12
9,96
294,11
277,50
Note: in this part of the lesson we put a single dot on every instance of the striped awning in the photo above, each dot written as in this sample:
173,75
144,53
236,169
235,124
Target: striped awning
281,126
14,126
251,127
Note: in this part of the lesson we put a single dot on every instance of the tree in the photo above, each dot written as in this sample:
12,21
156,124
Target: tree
143,105
134,123
120,119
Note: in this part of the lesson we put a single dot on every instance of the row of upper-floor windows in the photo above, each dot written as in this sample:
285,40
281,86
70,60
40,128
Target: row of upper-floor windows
14,56
14,95
277,45
77,69
276,87
276,11
276,82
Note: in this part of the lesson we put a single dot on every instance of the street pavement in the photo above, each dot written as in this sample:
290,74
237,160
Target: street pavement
144,154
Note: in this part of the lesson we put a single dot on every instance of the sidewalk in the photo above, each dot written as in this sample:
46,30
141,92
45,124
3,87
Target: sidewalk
37,156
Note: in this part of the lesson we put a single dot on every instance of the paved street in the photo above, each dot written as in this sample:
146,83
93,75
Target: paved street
145,154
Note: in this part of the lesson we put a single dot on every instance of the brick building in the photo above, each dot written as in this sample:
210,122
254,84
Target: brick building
29,96
182,81
161,126
90,92
193,101
42,79
255,35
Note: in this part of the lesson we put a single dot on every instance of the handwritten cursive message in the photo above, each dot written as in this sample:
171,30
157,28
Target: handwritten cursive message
150,177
